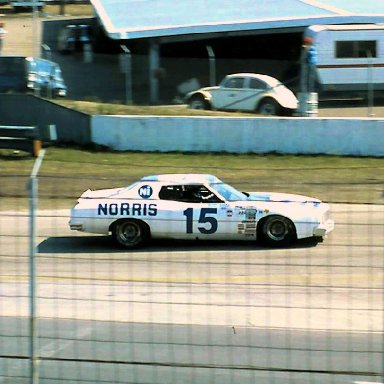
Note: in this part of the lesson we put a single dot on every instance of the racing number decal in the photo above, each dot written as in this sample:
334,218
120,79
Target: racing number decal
204,218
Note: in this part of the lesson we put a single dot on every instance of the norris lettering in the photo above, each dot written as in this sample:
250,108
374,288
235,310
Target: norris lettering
127,209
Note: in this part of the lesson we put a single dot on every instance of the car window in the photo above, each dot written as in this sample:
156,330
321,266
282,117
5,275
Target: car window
171,192
188,193
257,84
233,82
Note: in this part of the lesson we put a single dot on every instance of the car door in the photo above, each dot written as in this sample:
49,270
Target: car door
241,93
254,91
229,95
191,212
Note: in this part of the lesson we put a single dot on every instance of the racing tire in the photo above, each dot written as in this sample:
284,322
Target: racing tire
268,107
198,102
277,231
130,233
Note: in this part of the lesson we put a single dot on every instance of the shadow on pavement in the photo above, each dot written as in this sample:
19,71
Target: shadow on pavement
106,244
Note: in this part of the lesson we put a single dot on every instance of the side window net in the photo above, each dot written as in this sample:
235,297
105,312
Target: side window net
188,194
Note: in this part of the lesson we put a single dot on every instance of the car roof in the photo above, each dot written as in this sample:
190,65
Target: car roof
182,178
268,79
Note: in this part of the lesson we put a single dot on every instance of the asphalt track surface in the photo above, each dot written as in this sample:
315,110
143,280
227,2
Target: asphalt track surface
186,312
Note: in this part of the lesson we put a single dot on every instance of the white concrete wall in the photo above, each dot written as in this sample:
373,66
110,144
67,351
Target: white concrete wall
339,136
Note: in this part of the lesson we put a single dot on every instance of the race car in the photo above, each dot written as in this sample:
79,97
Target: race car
198,206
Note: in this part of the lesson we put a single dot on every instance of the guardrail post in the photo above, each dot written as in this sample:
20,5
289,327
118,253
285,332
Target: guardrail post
33,334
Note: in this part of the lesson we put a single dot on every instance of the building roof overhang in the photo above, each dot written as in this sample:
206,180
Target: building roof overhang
166,19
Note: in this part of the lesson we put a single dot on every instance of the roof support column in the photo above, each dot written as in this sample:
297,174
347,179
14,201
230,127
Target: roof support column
154,61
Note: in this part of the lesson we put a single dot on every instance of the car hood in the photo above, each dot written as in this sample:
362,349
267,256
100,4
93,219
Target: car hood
280,197
205,89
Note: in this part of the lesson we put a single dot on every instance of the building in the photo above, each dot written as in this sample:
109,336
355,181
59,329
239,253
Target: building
167,43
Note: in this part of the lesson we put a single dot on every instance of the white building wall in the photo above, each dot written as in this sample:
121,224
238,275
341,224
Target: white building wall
339,136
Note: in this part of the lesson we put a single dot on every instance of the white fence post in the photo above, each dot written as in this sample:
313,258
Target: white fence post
33,336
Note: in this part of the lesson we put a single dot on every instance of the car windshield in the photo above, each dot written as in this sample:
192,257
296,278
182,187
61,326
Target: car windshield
228,192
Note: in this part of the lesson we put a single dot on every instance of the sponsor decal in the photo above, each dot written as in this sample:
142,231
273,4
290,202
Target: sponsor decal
127,209
145,191
251,214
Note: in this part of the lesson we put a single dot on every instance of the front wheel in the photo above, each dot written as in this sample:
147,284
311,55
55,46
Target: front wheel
130,233
268,107
277,231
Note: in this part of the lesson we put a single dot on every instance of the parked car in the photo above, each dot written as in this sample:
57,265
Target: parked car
198,206
248,92
72,38
31,74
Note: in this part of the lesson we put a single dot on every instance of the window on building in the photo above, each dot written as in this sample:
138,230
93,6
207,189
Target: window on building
356,49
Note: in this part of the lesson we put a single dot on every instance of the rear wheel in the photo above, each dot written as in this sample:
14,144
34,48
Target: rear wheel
277,231
130,233
268,107
198,102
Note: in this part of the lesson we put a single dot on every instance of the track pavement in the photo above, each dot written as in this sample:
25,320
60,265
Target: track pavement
206,312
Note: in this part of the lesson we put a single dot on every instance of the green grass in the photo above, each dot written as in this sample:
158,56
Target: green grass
66,173
101,108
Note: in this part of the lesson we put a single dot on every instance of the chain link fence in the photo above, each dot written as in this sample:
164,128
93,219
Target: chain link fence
183,312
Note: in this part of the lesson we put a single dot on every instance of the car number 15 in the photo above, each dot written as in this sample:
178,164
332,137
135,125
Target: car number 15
203,219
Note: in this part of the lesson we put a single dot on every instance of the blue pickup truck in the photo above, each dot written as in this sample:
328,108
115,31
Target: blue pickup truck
26,74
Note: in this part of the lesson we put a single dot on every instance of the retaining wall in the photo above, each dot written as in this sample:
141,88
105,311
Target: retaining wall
27,110
336,136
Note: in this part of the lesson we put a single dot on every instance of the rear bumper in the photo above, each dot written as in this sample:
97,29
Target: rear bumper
324,228
75,225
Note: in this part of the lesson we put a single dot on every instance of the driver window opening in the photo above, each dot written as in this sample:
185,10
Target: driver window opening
188,194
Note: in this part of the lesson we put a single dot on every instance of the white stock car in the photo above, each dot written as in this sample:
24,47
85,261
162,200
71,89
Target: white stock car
198,206
248,92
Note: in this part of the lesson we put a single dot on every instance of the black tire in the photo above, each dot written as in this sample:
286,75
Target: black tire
130,233
277,231
268,107
198,102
